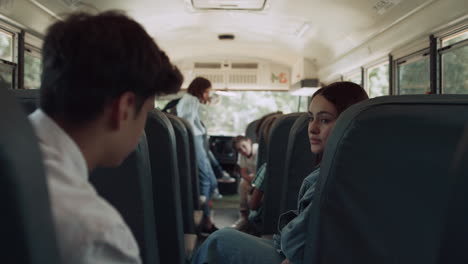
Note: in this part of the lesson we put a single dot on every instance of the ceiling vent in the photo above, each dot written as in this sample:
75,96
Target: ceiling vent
251,5
382,6
239,78
237,74
214,78
226,37
207,65
244,65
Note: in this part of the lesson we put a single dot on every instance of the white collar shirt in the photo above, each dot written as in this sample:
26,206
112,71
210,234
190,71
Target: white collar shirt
89,229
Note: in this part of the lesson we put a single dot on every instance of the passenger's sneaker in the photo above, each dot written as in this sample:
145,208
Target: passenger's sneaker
216,195
226,178
202,199
207,231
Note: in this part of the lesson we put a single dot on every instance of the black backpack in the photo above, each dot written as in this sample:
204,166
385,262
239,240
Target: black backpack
171,107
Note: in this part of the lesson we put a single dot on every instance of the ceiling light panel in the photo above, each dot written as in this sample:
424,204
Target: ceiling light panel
253,5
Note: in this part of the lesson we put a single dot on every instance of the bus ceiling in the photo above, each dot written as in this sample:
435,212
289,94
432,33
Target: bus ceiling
339,36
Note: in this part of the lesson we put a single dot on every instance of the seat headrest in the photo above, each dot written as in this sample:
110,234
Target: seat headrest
300,161
28,98
383,187
275,177
27,231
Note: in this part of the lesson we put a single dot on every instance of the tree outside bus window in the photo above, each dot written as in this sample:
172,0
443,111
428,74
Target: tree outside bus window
32,71
413,77
377,80
231,114
355,79
455,71
6,46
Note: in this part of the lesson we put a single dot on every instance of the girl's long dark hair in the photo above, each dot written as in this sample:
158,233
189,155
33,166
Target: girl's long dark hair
342,95
198,86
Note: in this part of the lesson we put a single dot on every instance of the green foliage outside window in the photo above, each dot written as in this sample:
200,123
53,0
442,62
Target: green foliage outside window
377,77
455,71
413,77
355,79
32,71
6,47
231,114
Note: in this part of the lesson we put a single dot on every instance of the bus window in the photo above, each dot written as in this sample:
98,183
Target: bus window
6,45
231,114
32,69
7,71
413,75
303,104
377,80
455,38
355,79
454,64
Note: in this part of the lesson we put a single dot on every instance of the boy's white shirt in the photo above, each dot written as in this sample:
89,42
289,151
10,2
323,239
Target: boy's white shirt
88,228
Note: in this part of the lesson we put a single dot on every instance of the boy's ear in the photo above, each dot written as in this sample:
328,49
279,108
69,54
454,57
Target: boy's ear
122,109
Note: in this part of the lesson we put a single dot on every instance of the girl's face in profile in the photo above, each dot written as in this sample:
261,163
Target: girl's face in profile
206,96
322,117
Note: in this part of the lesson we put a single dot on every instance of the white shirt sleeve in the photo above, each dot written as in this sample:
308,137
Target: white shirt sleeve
111,247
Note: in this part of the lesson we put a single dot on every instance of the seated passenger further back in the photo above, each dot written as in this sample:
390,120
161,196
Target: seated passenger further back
250,208
247,164
95,61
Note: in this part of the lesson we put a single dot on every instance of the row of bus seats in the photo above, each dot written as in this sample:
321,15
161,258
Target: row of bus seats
289,161
389,190
250,131
392,185
276,155
27,234
155,189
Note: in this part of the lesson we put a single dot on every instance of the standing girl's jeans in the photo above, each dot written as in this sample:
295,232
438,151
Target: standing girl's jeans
217,169
205,173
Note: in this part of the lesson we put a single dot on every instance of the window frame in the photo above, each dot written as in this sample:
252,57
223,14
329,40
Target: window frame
450,33
14,83
353,73
32,51
375,64
415,56
16,33
440,53
12,48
